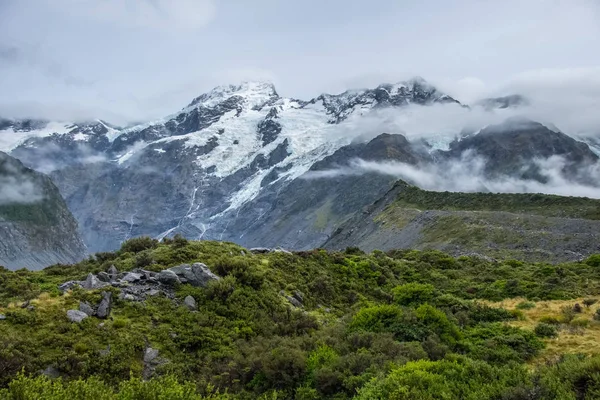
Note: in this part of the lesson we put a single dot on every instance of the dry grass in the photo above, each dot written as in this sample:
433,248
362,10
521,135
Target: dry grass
571,338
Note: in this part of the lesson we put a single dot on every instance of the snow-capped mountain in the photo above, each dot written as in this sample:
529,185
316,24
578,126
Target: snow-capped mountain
231,165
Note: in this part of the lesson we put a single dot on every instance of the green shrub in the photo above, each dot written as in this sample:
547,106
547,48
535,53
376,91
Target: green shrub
138,244
413,294
593,260
550,320
589,302
546,330
525,305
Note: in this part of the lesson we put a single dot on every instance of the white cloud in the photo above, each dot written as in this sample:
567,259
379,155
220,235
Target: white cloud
169,15
467,175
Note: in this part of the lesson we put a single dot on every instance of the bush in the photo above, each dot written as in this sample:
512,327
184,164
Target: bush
589,302
545,330
413,294
547,319
593,260
525,305
138,244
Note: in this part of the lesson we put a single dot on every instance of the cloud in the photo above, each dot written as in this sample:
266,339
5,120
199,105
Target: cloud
13,190
467,175
167,15
16,188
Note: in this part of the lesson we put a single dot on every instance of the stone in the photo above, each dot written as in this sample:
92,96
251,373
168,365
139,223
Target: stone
168,277
2,317
51,372
190,303
260,250
25,304
92,282
129,297
86,308
150,355
76,316
298,295
280,250
132,277
103,276
68,285
105,305
30,308
197,274
293,301
113,272
153,292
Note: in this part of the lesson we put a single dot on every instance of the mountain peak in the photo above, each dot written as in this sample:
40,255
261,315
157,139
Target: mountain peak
254,92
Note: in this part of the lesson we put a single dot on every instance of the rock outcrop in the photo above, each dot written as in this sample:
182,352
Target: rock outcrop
36,227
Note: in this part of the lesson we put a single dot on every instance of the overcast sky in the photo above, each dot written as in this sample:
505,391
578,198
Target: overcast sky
128,60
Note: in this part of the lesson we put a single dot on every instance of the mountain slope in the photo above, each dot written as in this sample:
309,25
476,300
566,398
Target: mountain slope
239,163
193,172
533,227
36,228
513,147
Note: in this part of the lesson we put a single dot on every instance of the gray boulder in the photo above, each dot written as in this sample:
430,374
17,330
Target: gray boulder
76,316
105,305
190,303
151,361
168,278
260,250
294,301
132,277
92,282
86,308
68,285
197,274
113,272
2,317
51,372
103,276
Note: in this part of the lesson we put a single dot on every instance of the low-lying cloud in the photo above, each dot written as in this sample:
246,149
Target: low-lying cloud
16,190
468,175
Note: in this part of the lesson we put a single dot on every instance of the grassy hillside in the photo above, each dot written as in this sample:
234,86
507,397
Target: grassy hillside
397,325
533,227
520,203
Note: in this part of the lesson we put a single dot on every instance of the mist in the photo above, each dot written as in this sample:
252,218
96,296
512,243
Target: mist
467,175
15,188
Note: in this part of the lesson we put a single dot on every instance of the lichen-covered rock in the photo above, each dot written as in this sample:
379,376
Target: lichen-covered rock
76,316
190,303
86,308
168,277
197,274
105,305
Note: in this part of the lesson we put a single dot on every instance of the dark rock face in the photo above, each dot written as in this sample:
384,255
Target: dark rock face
36,227
511,148
511,101
305,212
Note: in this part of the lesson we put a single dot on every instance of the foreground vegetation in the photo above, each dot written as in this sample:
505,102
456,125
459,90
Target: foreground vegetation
396,325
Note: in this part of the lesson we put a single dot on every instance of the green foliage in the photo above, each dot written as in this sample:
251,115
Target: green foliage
526,305
546,330
413,293
138,244
531,203
386,325
593,261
